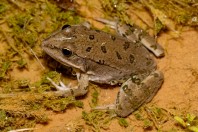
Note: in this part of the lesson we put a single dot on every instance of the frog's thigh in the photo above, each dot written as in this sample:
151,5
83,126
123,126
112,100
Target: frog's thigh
131,95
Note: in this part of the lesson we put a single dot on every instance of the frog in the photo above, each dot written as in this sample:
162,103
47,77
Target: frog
122,59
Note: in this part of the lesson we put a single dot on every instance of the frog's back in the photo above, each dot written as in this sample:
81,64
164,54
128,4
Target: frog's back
112,50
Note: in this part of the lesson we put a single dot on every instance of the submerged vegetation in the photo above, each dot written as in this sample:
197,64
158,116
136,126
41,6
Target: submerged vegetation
23,26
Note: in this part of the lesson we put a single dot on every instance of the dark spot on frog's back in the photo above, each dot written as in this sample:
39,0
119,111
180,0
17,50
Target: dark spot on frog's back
88,49
131,58
118,55
103,48
91,37
126,45
149,61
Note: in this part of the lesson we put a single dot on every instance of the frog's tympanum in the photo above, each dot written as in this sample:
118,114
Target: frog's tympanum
104,58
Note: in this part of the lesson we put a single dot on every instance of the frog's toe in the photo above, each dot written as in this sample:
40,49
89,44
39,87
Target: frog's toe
110,107
87,24
131,96
111,24
61,87
105,107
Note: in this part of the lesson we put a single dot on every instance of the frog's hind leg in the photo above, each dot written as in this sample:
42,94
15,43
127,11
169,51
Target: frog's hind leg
135,34
131,95
79,90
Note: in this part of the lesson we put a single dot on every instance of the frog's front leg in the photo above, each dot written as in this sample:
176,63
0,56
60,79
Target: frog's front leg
79,90
132,95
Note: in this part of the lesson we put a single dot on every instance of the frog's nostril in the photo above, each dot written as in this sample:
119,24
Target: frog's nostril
66,52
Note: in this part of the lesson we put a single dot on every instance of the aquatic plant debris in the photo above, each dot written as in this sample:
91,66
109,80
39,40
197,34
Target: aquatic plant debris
167,14
123,122
98,119
35,100
95,96
188,122
19,36
9,120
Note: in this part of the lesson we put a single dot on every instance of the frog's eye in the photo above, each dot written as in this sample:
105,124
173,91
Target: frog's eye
66,27
66,52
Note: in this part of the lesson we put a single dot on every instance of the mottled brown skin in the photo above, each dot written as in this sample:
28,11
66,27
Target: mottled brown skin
94,51
107,59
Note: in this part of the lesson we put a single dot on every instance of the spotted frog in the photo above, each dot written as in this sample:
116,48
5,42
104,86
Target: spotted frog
114,59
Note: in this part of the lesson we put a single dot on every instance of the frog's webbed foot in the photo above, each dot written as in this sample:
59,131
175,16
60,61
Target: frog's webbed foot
135,34
79,90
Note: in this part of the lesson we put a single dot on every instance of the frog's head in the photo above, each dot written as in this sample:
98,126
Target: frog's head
61,46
